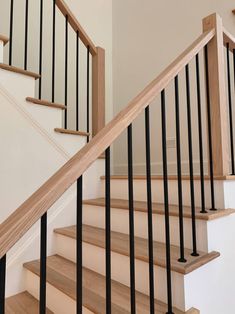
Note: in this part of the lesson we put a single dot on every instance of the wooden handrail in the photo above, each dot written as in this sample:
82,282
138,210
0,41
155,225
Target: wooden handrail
229,38
14,227
76,26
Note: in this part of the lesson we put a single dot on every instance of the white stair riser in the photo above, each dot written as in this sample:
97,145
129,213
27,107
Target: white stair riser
18,85
94,259
47,117
95,216
223,199
57,301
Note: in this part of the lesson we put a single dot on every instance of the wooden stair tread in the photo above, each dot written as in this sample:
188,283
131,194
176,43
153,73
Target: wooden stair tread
61,273
170,177
120,244
4,39
159,208
18,70
23,303
45,103
72,132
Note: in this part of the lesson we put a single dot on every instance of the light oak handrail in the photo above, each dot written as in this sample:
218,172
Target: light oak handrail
229,38
62,6
32,209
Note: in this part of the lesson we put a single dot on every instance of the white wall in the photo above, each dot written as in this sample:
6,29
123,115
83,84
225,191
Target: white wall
147,36
96,19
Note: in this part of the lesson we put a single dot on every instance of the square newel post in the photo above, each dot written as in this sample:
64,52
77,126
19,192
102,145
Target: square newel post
98,91
217,87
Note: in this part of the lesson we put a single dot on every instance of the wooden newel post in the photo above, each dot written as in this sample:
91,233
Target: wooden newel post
98,91
217,87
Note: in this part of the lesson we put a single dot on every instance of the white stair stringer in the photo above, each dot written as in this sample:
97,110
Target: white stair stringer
38,157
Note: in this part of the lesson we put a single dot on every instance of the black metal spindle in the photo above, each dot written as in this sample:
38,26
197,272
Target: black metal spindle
43,264
2,284
208,105
26,34
11,31
166,203
230,111
108,230
79,246
131,219
179,172
66,74
77,80
203,210
40,50
88,91
150,213
191,170
53,50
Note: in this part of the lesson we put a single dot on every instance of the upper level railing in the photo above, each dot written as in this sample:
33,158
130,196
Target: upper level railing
211,42
63,76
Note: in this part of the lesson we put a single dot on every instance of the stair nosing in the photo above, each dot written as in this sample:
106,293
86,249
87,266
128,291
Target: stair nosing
45,103
4,39
14,69
210,215
71,132
171,177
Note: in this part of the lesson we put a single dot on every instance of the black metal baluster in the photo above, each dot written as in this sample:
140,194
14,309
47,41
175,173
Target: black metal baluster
40,50
211,166
53,50
88,91
203,210
77,80
79,246
150,213
230,111
179,172
26,34
43,264
66,74
131,219
167,220
191,170
108,230
2,284
11,31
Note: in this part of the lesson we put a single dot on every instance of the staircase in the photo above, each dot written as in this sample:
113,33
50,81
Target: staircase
125,243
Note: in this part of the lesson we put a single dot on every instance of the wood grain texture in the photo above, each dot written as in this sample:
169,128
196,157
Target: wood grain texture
11,68
229,38
120,244
160,209
65,10
45,103
170,177
61,271
23,303
219,123
71,132
98,91
25,216
4,39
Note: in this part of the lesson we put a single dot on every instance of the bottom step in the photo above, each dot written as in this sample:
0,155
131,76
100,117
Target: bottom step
61,275
23,303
